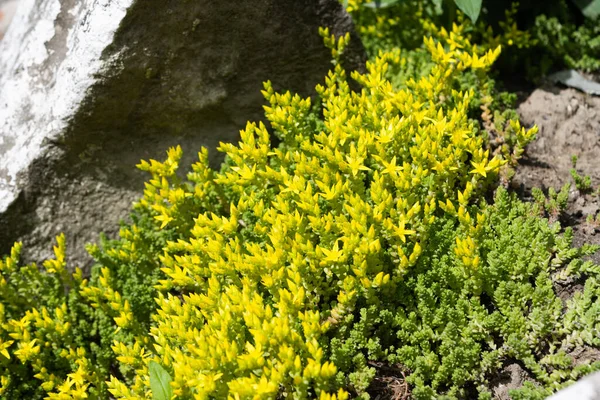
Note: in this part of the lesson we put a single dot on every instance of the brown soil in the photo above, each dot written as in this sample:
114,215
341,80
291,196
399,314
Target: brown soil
569,124
389,383
511,377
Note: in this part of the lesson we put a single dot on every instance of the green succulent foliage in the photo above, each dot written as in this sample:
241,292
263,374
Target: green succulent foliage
68,321
537,36
472,8
572,45
380,30
530,392
554,204
454,331
453,298
582,183
133,263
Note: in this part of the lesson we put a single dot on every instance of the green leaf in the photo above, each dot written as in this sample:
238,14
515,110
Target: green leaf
381,3
589,8
160,382
470,7
439,6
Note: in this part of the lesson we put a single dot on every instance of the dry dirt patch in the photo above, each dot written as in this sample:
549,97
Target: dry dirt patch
569,125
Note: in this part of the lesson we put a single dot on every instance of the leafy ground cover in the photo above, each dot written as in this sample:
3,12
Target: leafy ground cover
567,119
537,36
379,248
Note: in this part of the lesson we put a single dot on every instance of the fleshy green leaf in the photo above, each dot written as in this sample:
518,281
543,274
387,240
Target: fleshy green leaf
439,6
470,7
160,382
589,8
381,3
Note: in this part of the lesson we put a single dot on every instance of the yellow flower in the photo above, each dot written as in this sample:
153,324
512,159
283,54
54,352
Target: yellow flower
479,168
27,350
4,347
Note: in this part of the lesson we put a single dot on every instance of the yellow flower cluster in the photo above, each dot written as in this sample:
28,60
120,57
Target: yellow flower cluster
390,25
39,337
510,34
296,237
334,216
373,23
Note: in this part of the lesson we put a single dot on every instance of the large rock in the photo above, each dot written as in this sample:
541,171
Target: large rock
587,388
90,87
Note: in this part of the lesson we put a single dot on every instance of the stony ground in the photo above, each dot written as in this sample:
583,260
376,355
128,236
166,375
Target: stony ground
569,124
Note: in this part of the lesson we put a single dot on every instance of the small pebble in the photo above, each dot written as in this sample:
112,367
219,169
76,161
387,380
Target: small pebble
573,194
572,107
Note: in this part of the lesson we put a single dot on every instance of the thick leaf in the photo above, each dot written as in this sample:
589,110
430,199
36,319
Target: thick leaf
160,382
470,7
381,3
439,6
589,8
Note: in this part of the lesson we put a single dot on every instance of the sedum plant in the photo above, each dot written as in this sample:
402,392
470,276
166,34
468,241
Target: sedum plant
454,326
363,236
42,350
402,23
328,222
538,37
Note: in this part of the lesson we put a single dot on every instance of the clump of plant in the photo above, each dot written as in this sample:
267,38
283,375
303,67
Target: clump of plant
326,224
455,323
360,238
221,241
398,23
554,204
46,328
582,183
571,43
57,328
593,221
538,36
363,236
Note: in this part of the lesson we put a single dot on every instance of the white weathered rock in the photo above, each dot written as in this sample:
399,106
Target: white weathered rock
587,388
44,75
7,12
90,87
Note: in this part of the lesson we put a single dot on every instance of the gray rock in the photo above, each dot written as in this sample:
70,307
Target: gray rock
88,88
574,79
